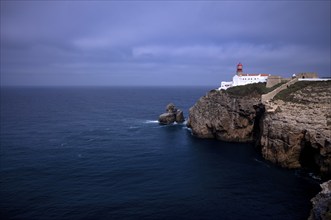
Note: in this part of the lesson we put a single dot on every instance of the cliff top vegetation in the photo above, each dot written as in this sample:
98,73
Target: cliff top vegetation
308,88
250,90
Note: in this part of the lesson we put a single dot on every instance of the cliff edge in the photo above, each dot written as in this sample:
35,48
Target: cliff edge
296,128
225,116
293,130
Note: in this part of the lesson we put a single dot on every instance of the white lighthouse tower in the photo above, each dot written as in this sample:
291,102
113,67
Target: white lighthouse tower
241,78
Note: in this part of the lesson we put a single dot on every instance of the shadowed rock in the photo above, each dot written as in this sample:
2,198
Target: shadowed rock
172,115
219,115
322,203
171,108
180,116
293,133
299,134
167,118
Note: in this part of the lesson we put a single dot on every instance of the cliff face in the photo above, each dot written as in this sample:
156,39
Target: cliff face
225,117
294,131
322,203
297,131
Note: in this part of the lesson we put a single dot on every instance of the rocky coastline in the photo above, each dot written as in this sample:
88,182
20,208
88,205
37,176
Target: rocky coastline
296,131
322,203
224,117
293,130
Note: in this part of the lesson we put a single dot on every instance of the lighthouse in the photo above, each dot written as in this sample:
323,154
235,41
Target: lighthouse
241,78
239,69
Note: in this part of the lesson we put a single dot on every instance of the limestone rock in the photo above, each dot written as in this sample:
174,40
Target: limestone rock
167,118
322,203
172,115
300,134
180,116
222,116
171,108
295,133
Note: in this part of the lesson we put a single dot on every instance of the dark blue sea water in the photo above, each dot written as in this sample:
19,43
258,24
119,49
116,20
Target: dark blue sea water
98,153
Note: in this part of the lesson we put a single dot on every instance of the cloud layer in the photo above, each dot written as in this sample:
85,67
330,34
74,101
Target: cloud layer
160,43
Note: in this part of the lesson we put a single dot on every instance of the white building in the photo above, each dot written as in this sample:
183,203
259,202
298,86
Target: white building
241,79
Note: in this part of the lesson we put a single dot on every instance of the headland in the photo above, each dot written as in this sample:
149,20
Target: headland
288,120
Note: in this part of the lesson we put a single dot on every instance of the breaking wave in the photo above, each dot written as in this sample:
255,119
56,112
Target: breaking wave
151,122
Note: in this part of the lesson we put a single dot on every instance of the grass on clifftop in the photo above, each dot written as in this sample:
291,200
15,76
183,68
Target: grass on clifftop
255,89
287,94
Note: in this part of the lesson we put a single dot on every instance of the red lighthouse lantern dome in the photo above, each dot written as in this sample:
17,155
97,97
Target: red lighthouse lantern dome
239,68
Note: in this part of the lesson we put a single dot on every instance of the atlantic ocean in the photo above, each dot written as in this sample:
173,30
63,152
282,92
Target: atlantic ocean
99,153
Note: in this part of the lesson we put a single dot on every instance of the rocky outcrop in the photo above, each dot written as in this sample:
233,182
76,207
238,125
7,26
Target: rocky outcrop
293,130
223,116
167,118
171,115
322,203
296,131
179,116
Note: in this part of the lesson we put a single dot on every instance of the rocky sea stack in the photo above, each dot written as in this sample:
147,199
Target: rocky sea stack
171,115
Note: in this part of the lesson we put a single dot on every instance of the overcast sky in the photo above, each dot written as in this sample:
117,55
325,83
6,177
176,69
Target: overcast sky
160,43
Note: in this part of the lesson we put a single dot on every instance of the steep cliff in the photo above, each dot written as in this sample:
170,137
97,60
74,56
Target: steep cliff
296,128
294,131
225,116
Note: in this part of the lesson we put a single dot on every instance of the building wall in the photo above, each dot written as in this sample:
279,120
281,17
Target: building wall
225,85
313,79
273,80
244,80
306,75
239,80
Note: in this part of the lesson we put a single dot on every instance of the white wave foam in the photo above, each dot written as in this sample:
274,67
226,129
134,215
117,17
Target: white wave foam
151,121
314,176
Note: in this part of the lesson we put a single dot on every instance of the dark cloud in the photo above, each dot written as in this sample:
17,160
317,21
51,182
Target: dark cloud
151,43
